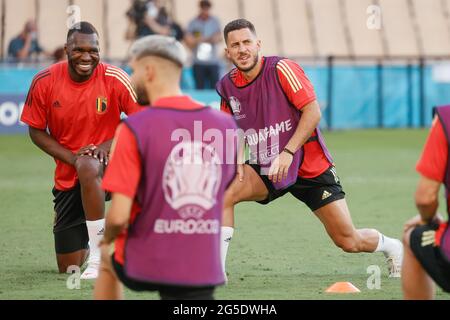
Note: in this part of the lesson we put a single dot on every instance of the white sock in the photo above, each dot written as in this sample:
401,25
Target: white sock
385,244
95,231
226,235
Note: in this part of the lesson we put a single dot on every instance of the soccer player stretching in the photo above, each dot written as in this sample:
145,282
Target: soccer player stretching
274,103
72,110
427,236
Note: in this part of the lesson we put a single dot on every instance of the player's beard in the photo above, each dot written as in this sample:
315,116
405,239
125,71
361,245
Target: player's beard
142,95
247,69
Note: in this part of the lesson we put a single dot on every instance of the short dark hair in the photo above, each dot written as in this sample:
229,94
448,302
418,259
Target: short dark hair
83,27
238,24
205,4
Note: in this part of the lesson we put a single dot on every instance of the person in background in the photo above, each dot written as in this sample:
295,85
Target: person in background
26,44
148,17
59,55
202,36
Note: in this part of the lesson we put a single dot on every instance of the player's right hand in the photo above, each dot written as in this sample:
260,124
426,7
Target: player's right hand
86,151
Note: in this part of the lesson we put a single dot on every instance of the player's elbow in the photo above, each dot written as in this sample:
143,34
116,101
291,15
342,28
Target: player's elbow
312,112
36,135
32,133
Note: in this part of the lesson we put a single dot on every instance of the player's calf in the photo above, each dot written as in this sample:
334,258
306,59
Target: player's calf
349,244
67,260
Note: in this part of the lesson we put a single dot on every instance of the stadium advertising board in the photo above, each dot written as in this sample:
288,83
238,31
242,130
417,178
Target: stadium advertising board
11,106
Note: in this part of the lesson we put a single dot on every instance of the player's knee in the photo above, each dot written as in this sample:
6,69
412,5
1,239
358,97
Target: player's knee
88,169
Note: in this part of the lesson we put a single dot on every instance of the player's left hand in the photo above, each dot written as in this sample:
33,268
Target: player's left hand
101,154
413,222
280,166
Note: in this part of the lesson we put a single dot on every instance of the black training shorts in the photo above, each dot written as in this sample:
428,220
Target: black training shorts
315,192
69,226
422,243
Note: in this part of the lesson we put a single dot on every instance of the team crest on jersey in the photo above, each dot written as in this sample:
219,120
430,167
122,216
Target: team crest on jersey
101,104
191,179
235,105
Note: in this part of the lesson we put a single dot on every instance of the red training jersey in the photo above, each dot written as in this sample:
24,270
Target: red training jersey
300,92
124,170
78,114
433,162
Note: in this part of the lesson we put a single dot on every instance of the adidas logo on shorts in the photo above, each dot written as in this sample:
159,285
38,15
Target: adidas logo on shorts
429,238
326,195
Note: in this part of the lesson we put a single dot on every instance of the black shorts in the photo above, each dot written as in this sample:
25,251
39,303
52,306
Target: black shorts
69,227
166,292
315,192
429,255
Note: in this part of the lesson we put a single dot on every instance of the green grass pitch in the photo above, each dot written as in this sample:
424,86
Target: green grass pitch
279,251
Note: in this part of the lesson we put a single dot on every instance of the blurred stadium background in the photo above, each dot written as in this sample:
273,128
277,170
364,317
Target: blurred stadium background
387,79
364,78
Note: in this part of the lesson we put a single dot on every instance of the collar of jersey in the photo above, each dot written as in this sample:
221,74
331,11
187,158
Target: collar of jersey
182,102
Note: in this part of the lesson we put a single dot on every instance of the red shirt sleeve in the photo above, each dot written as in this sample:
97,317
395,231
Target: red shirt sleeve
35,111
224,107
127,95
295,83
433,162
124,169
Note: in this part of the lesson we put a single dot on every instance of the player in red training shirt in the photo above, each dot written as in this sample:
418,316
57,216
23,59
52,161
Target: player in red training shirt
427,236
72,110
273,97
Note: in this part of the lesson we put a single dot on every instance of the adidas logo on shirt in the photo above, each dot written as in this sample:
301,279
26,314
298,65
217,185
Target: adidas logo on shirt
326,195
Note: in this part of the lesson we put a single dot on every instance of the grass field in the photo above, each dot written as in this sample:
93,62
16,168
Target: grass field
279,251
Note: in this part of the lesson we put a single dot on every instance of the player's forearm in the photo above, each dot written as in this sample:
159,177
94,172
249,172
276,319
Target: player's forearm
428,212
427,207
49,145
426,197
117,217
309,121
240,150
112,231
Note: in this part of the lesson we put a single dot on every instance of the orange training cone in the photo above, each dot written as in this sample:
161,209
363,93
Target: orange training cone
342,287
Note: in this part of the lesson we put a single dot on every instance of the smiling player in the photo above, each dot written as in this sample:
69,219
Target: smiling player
273,101
72,110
